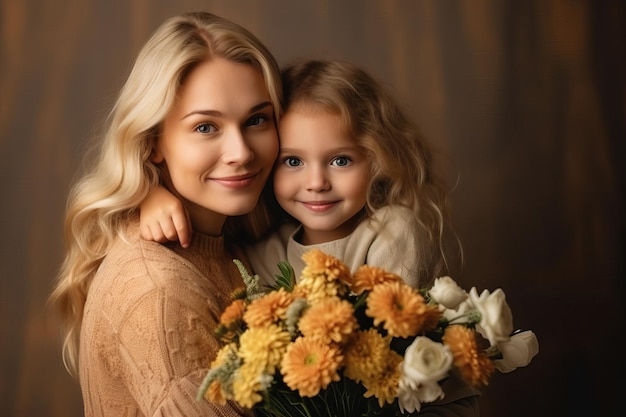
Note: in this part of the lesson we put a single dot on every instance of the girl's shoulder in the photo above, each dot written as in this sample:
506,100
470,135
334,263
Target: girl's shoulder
393,215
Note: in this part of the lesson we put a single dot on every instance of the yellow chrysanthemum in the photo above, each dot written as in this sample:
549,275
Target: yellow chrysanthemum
268,309
365,355
264,346
224,354
474,365
366,277
329,320
310,365
215,393
247,384
323,276
316,288
385,387
400,308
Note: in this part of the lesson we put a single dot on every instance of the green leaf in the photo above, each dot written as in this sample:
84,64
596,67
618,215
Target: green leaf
287,277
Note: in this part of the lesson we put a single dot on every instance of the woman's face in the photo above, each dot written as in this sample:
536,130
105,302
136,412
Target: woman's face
219,142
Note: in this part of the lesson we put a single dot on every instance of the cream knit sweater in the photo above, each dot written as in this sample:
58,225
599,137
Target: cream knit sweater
386,240
147,334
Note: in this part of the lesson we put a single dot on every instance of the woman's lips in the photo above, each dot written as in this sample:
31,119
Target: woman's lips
236,181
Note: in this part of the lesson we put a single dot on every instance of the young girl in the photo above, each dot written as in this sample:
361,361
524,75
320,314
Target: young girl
197,114
354,177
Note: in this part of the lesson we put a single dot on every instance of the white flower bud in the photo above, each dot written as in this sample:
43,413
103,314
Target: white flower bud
496,324
446,292
517,352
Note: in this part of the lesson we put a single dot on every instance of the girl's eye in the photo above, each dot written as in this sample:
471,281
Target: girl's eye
292,161
205,128
256,120
341,161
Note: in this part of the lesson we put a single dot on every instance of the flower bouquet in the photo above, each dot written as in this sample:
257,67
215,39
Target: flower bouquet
361,344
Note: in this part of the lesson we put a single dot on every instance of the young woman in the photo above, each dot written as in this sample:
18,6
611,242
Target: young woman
197,114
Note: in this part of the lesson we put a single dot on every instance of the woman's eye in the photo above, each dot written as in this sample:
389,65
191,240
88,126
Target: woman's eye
205,128
256,120
292,161
341,161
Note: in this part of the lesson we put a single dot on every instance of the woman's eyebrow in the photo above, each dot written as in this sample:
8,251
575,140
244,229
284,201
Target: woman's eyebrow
218,113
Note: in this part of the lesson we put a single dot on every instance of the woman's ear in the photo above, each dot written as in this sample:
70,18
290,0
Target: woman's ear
156,156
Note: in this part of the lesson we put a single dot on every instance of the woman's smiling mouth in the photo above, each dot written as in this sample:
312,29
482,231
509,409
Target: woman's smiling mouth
236,181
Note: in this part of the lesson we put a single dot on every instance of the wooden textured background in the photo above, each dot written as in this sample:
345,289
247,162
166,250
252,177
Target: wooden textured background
525,98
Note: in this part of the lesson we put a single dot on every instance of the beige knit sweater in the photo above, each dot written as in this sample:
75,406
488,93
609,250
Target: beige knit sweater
147,334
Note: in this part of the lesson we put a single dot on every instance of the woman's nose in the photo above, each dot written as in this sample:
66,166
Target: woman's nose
236,149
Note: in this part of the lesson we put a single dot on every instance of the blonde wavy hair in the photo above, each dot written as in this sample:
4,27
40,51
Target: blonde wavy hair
402,171
122,175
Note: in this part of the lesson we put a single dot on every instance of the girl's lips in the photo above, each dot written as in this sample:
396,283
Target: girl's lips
236,181
319,206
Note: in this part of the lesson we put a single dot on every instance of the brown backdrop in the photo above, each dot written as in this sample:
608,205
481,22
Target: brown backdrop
525,98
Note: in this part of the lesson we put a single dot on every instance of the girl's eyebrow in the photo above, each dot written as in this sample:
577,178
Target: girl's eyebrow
217,113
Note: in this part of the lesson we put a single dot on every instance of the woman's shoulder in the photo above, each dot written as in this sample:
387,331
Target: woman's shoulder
129,250
134,266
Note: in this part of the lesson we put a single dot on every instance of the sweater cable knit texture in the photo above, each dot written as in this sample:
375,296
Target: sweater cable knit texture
147,334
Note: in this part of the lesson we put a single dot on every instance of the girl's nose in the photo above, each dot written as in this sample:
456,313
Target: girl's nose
317,180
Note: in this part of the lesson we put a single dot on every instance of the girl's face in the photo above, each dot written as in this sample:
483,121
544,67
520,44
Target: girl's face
218,142
321,176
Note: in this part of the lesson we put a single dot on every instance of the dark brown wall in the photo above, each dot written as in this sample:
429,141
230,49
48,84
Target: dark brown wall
526,99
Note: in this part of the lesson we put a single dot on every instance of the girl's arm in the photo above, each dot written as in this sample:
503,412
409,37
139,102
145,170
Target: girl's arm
162,218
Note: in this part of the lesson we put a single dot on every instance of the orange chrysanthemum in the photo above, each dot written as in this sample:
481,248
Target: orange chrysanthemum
319,263
365,355
401,309
233,313
268,309
239,293
329,320
385,387
215,393
310,365
366,277
474,365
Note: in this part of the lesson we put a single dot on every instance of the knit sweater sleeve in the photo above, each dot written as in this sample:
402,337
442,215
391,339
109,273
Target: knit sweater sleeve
165,344
147,340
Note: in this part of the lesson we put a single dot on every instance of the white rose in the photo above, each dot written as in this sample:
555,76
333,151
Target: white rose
517,352
459,315
496,323
445,291
411,395
426,361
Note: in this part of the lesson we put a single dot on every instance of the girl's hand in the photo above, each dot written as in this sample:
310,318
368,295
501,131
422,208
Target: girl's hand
162,218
